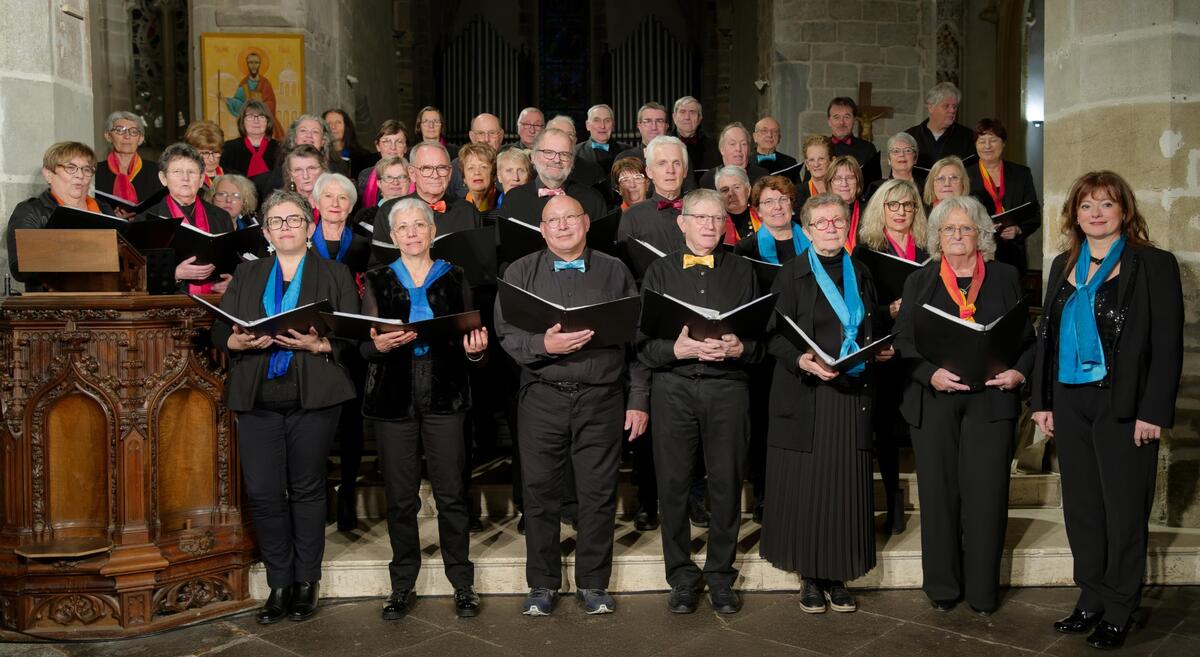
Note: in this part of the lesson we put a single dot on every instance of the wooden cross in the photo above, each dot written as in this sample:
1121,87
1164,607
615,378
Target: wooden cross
868,113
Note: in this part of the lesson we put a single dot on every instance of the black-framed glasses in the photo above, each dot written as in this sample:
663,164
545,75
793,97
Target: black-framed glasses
292,220
393,180
552,155
127,131
440,170
906,206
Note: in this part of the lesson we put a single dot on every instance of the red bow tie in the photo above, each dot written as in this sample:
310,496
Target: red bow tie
440,206
546,191
677,204
841,140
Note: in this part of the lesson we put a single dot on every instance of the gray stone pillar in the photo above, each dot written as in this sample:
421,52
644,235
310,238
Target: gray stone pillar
45,91
1123,93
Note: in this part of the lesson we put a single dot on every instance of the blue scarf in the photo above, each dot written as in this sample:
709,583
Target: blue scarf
847,305
318,242
1080,354
766,243
418,300
275,301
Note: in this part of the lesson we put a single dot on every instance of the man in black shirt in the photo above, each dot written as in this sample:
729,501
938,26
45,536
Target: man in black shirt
485,129
766,140
840,114
572,410
530,122
700,399
686,117
940,134
582,171
651,123
734,146
600,148
553,160
654,220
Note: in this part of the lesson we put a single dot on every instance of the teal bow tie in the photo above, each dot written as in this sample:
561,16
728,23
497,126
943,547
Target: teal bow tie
764,157
579,264
600,147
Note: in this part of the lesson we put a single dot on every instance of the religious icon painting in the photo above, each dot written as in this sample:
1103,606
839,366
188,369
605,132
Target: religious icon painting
238,67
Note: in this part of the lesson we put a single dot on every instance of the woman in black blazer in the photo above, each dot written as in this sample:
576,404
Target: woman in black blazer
1001,185
893,223
1109,358
418,394
819,515
287,391
254,152
963,437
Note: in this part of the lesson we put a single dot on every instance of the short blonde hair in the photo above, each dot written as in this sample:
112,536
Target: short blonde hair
948,161
978,215
848,162
873,225
245,188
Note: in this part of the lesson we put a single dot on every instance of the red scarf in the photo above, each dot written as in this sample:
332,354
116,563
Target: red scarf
208,180
199,220
123,183
852,236
993,190
258,164
91,203
908,251
966,307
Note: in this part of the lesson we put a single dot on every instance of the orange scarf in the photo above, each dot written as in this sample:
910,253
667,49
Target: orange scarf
209,179
966,306
123,183
994,191
486,203
92,205
812,188
852,235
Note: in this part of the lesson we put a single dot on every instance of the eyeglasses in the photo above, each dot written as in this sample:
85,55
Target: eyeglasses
552,155
306,171
183,173
907,150
948,179
767,132
653,121
404,227
780,202
312,132
207,154
256,117
393,143
125,131
221,196
816,160
845,180
906,206
441,171
707,219
965,231
488,134
535,126
431,121
71,169
565,221
823,224
631,178
292,220
393,180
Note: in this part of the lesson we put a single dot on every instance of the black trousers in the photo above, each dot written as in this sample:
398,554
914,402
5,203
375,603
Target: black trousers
690,415
1108,489
399,444
963,463
580,427
283,457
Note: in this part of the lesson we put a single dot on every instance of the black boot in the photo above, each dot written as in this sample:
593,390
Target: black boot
347,508
304,600
276,606
894,523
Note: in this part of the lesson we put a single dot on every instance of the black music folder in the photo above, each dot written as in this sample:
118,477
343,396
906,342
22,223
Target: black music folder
975,352
639,254
358,327
150,233
300,318
664,316
1015,216
474,250
518,239
223,251
765,271
384,252
135,208
602,232
798,337
615,322
888,272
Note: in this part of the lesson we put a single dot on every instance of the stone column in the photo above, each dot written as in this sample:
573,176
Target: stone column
1123,93
45,91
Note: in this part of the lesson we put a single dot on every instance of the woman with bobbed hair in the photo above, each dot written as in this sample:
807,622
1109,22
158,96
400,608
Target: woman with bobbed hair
207,138
947,178
390,141
124,174
253,152
630,181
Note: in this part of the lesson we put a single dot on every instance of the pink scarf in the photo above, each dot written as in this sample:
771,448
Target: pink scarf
199,220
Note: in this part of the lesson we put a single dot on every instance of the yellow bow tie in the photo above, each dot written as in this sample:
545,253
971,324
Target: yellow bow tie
690,260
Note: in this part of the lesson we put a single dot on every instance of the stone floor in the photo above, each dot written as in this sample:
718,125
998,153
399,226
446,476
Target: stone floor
889,623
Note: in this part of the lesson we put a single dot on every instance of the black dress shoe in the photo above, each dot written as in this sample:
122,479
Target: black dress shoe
943,605
276,606
724,599
839,598
347,514
645,521
758,513
683,599
895,521
466,602
1108,636
521,525
475,524
399,603
812,598
1079,622
305,596
981,612
698,514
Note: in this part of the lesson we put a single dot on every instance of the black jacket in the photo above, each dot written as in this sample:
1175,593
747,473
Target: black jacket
324,378
32,213
235,157
1001,291
1148,358
957,140
782,162
146,182
794,391
389,389
1018,190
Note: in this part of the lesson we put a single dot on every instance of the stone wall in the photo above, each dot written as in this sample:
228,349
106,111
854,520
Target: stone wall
824,49
45,92
1123,93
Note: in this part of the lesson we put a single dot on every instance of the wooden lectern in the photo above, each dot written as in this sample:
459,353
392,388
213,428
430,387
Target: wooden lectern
120,510
81,260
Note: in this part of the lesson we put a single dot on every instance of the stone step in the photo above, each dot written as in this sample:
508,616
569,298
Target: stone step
1036,554
494,498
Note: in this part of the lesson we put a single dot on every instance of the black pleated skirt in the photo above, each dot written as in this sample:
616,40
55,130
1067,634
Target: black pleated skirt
818,517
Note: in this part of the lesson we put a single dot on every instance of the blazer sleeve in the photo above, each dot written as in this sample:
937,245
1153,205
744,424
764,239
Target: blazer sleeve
344,299
1025,361
919,369
752,350
1029,195
639,375
1040,397
221,329
1165,351
370,307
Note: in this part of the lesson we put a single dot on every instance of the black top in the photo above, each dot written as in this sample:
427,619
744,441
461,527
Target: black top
748,246
753,172
265,183
1108,319
1147,356
459,215
604,279
865,153
235,157
584,152
324,379
780,163
357,256
741,223
219,222
523,203
32,213
957,140
658,228
637,150
701,149
729,284
145,183
918,180
1018,190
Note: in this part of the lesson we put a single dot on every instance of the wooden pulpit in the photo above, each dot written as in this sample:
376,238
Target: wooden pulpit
81,260
121,490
